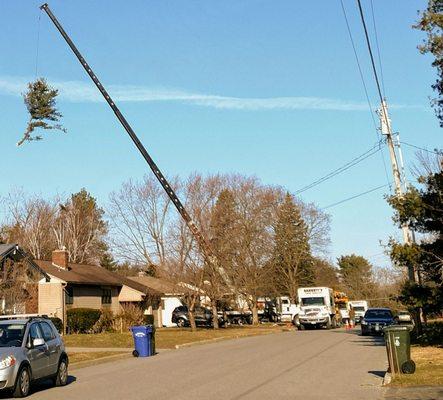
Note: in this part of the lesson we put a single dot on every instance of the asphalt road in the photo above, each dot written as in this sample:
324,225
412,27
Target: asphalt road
316,364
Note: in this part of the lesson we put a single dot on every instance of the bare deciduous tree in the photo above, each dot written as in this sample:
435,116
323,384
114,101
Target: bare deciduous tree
139,215
30,223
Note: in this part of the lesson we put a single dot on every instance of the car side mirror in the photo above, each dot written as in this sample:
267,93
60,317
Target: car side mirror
38,342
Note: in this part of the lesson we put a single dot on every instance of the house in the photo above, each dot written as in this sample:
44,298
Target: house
89,286
170,297
76,286
18,280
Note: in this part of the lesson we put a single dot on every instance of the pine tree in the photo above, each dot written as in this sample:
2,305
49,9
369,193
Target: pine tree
356,276
293,262
40,102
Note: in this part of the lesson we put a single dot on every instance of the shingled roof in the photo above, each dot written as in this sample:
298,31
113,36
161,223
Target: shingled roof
83,274
14,252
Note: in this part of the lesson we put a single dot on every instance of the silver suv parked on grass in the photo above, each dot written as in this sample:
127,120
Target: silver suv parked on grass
31,349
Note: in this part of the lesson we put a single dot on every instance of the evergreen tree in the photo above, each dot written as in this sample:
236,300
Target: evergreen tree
431,22
293,262
422,210
222,231
356,276
43,114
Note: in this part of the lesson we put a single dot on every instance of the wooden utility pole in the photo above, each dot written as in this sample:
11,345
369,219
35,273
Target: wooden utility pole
396,157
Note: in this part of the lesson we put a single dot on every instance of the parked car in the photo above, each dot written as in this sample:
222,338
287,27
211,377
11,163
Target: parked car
31,349
375,319
202,315
404,317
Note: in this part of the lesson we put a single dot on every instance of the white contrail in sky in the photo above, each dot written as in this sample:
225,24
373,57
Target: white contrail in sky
81,92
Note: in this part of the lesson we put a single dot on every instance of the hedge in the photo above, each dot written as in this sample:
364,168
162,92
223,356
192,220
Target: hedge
82,320
58,323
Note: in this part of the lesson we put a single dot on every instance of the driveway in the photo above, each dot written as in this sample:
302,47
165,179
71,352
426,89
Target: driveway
315,364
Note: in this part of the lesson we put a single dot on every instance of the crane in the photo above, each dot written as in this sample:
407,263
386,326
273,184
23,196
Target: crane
204,246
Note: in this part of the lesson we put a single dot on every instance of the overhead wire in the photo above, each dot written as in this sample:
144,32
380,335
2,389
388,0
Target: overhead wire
421,148
355,196
371,110
368,153
378,49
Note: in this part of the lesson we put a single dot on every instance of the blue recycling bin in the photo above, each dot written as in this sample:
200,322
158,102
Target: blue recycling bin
142,341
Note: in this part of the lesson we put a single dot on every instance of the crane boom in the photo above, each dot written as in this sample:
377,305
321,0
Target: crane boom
201,241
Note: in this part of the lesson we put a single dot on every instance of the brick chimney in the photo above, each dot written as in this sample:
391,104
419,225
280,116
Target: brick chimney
60,258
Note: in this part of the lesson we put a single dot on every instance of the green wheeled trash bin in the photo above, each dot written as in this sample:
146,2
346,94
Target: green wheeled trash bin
398,347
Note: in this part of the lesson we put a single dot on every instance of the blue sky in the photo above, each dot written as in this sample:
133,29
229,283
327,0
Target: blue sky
257,87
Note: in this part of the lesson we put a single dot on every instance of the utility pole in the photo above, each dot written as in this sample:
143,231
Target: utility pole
398,171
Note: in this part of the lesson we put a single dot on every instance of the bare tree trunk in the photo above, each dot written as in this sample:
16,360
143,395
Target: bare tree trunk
192,320
254,314
214,314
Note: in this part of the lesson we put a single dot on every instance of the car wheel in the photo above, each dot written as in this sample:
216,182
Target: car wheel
61,378
181,322
22,383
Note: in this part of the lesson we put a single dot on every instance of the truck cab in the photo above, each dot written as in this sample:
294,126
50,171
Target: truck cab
288,310
360,307
317,307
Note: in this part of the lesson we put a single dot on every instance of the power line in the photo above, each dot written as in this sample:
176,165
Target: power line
373,150
378,49
421,148
371,111
355,196
359,66
368,42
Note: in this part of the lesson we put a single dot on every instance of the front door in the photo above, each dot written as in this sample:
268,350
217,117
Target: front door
38,356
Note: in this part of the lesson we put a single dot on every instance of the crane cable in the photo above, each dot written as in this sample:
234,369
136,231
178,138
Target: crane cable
38,44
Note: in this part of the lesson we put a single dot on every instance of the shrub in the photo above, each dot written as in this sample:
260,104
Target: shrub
105,323
82,320
130,315
58,323
149,319
431,336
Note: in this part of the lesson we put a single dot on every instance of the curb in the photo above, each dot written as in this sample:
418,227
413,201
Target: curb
387,379
97,361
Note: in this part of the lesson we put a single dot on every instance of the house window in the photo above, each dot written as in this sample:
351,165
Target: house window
106,296
69,295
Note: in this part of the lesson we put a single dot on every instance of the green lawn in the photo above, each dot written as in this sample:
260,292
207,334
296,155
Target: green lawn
167,338
429,361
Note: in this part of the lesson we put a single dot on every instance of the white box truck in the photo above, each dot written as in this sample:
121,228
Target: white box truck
287,310
317,307
360,307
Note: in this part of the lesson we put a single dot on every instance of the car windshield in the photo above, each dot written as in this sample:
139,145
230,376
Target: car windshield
359,308
342,306
11,335
378,314
313,301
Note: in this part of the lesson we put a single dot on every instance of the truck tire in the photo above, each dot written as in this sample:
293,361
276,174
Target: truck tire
301,327
334,322
328,324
